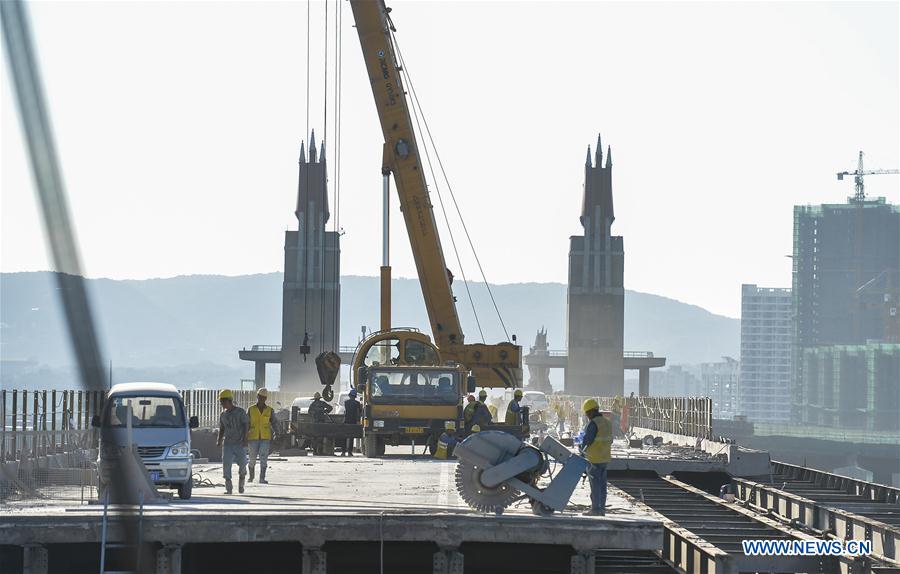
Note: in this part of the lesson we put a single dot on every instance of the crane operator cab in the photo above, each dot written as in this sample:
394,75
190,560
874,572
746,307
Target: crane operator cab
409,397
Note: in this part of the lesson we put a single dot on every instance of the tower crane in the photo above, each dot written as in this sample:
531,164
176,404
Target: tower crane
858,177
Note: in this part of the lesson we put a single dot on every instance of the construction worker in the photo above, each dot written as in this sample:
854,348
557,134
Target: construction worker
319,409
482,415
469,411
492,409
514,409
595,447
233,427
352,410
261,433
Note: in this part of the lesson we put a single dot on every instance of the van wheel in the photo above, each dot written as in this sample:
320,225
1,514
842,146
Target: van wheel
184,491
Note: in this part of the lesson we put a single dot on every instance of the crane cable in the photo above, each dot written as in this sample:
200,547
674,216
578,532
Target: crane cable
301,227
437,188
321,231
416,103
336,221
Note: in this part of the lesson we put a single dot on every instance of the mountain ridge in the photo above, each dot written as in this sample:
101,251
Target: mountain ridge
192,320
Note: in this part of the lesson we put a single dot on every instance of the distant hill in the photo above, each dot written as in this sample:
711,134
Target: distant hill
193,325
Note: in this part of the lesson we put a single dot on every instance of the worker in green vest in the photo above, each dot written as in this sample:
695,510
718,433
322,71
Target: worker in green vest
514,409
595,447
469,411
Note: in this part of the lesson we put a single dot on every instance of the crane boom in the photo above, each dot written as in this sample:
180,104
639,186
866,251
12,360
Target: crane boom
494,365
858,177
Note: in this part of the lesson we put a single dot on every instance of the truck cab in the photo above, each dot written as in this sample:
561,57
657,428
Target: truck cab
407,405
154,414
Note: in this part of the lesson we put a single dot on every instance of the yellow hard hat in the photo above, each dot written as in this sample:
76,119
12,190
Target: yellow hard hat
589,405
317,395
226,394
476,428
518,393
262,393
482,393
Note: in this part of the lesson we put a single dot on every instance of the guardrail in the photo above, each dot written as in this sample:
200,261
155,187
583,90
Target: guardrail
625,354
38,423
687,416
35,423
277,348
843,508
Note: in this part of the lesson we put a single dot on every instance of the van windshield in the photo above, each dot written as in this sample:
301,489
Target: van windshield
146,411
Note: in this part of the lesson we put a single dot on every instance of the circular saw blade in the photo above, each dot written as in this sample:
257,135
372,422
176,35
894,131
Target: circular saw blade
478,496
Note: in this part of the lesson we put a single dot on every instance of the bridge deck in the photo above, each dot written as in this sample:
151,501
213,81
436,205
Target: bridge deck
318,501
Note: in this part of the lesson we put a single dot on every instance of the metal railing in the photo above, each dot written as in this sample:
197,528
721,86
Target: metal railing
39,423
44,422
204,404
276,348
686,416
625,354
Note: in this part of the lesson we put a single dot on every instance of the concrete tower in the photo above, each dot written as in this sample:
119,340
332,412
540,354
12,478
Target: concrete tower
596,310
311,295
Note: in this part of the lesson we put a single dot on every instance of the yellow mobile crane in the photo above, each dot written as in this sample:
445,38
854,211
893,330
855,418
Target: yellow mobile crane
406,378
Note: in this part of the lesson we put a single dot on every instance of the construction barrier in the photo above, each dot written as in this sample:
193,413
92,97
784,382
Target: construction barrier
688,416
38,423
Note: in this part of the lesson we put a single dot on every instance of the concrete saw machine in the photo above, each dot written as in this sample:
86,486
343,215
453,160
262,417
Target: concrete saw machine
496,469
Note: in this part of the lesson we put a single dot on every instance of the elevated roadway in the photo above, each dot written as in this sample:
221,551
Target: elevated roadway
641,361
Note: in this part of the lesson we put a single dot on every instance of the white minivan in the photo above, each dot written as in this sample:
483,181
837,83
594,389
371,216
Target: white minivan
160,429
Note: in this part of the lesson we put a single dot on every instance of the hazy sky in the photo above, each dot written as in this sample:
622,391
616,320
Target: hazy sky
179,124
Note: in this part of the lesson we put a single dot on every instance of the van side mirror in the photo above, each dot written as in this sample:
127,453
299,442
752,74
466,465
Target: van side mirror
95,421
470,384
194,422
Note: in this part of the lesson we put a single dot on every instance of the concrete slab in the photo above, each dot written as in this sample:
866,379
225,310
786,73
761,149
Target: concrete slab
315,500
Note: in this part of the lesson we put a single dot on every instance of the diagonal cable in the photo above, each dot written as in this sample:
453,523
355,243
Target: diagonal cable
29,90
427,131
437,188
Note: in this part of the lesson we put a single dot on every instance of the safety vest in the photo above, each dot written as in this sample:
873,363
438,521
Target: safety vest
260,423
469,412
512,417
598,451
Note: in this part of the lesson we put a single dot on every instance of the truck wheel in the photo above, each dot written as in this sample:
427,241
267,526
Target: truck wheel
371,446
382,446
432,446
184,491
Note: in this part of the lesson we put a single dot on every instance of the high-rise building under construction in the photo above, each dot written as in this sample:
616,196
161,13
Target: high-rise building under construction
846,352
596,310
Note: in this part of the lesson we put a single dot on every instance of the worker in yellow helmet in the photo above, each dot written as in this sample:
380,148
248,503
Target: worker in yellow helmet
475,429
482,414
514,409
469,411
233,426
261,434
595,446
